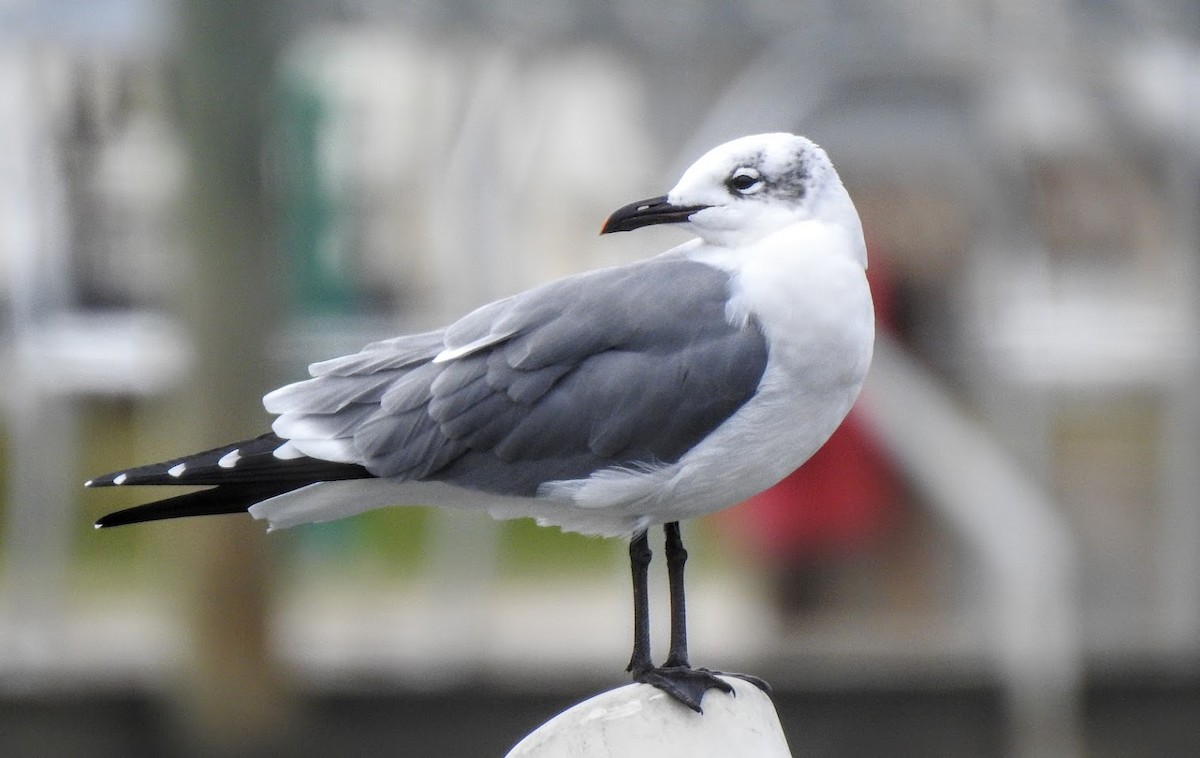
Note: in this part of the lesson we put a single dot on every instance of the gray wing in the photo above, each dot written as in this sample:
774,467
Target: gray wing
628,366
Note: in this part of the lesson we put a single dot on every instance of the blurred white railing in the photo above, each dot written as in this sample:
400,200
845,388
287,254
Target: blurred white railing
1012,527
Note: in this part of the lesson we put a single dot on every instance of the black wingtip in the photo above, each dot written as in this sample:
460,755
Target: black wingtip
151,512
215,501
101,481
251,474
125,517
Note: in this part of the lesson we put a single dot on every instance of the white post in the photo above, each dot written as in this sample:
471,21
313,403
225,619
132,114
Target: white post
637,721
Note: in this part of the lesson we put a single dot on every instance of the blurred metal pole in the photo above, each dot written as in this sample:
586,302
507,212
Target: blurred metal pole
231,699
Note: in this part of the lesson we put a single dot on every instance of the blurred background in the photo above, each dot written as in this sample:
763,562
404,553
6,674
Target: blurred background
997,554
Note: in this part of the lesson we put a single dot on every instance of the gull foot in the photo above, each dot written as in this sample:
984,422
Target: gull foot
687,685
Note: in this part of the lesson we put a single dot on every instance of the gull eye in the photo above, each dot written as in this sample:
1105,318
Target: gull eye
745,181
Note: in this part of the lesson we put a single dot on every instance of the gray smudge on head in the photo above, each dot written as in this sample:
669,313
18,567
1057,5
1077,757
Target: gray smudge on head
789,182
792,183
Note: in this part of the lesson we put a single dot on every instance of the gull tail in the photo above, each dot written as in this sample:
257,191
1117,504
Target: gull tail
238,475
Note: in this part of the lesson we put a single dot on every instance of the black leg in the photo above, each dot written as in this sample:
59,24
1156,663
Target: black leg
677,656
639,564
676,678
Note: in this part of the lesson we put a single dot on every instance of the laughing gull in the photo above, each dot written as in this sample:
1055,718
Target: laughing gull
603,403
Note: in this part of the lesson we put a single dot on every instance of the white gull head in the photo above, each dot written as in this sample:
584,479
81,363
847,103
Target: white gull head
745,190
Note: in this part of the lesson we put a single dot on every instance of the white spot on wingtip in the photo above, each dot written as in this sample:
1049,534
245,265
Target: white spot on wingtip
230,459
97,526
89,482
120,478
177,470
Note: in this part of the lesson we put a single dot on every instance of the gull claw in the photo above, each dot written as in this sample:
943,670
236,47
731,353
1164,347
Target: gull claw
759,683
